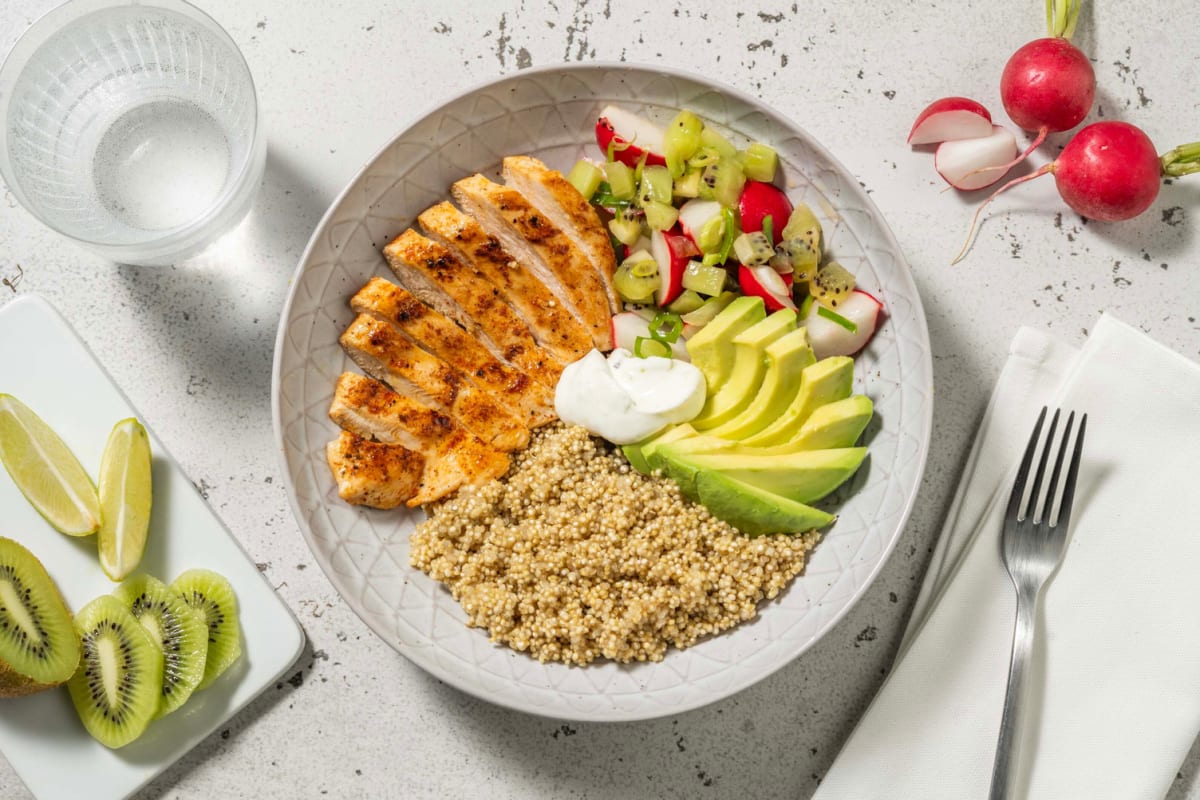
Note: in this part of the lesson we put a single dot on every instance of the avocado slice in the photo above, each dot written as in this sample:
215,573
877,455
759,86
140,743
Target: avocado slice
640,455
835,424
803,477
711,348
749,368
786,359
753,511
824,382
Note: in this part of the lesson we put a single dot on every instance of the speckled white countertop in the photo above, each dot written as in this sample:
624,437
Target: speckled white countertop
192,346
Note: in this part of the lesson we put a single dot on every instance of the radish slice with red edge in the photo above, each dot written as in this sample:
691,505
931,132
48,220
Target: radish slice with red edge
970,164
629,326
624,128
830,338
761,200
950,119
763,281
671,250
695,214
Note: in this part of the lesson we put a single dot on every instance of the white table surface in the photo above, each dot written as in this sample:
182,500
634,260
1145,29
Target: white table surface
192,346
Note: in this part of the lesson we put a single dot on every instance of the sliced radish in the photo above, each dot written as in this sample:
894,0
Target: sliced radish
763,281
695,214
828,338
628,326
950,119
671,251
760,200
975,163
641,244
642,136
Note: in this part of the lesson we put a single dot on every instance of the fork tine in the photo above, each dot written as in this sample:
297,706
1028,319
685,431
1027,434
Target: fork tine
1018,490
1032,509
1048,505
1064,510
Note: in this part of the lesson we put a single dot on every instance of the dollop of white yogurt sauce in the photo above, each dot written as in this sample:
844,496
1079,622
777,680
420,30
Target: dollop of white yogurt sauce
624,398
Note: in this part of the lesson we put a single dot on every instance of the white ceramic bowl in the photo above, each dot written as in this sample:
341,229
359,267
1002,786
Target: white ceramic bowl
550,113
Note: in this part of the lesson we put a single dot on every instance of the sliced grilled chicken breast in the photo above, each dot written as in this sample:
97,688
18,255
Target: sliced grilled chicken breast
523,397
454,457
431,272
552,323
533,239
384,353
373,474
553,195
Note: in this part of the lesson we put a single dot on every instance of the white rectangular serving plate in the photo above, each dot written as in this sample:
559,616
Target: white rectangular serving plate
44,364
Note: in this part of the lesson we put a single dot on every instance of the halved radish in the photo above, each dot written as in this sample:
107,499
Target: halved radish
671,251
642,136
829,338
950,119
761,200
695,214
628,326
975,163
626,251
763,281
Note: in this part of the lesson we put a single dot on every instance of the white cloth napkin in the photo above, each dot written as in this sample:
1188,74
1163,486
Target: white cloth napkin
1114,690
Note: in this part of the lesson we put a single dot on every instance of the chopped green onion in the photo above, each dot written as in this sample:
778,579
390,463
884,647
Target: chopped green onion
835,317
615,147
586,177
709,239
645,268
729,234
644,347
805,306
666,327
768,228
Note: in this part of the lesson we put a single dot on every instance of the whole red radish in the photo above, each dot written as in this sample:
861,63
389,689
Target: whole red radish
1109,172
1048,86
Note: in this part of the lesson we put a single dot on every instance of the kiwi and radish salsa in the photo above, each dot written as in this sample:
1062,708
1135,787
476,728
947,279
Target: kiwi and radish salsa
716,266
126,658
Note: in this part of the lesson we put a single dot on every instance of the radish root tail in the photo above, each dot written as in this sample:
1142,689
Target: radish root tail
1048,168
1041,137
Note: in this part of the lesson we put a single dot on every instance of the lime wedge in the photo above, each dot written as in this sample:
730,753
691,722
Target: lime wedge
46,471
125,498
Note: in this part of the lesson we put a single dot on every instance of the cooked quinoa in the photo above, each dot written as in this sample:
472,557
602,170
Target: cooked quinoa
574,556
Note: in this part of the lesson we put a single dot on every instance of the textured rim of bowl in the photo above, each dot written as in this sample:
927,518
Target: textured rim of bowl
281,335
177,242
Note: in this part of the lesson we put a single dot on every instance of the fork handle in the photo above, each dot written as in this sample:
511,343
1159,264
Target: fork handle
1004,769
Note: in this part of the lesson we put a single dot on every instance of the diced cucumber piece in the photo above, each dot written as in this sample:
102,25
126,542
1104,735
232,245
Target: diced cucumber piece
704,279
586,177
660,216
620,180
711,139
760,162
707,312
655,187
687,302
688,185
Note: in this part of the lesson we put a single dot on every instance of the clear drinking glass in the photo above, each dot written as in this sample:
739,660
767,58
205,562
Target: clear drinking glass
132,128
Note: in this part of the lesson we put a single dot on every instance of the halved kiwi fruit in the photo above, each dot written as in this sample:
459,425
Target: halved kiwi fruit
38,645
179,631
211,595
117,689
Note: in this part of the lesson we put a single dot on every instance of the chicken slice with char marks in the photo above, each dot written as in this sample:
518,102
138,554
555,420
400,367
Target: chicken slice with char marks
533,239
384,353
551,322
453,456
431,272
373,474
553,195
523,397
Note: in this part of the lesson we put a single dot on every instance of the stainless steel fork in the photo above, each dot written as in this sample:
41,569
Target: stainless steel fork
1033,545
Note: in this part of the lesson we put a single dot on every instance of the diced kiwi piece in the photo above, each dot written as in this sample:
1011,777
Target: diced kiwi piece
211,595
753,249
660,216
723,182
117,687
681,140
38,645
176,628
803,224
833,284
688,185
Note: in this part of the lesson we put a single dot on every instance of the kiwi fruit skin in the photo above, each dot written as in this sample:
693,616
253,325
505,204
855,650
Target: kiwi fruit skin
25,579
211,595
179,631
112,639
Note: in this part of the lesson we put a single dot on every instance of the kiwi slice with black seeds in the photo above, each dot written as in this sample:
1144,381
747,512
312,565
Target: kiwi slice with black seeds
38,645
117,689
179,631
211,595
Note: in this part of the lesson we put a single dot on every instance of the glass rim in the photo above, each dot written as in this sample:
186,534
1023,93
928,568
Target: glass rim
39,32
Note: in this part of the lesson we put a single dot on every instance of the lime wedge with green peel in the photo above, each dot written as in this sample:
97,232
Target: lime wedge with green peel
125,498
46,471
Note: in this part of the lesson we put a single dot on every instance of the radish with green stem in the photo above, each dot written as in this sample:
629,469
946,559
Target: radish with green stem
1109,172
